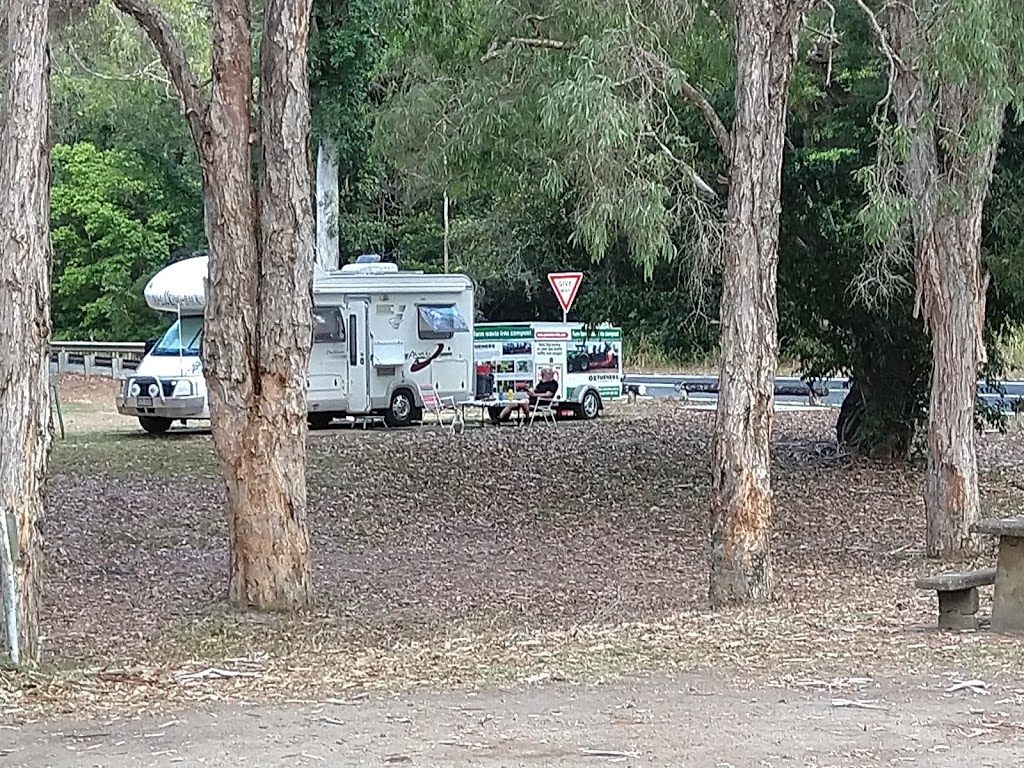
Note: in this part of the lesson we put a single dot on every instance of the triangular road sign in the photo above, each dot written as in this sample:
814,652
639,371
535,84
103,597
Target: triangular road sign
566,285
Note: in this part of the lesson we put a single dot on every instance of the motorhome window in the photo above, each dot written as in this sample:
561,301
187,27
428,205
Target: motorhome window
182,338
328,326
440,321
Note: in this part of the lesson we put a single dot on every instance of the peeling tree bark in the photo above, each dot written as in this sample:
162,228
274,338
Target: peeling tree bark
25,305
948,187
741,496
257,328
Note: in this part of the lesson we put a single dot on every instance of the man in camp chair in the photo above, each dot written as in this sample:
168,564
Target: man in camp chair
545,390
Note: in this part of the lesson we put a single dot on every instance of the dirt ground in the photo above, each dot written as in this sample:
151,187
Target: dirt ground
509,597
87,405
692,720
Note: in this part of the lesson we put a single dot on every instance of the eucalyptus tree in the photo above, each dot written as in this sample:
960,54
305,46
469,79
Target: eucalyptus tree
24,320
344,53
257,327
954,69
589,100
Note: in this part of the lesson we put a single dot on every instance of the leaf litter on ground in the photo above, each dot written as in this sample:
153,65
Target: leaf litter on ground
503,555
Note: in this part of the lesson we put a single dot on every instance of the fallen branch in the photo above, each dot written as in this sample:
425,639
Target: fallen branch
351,701
851,704
975,686
212,673
607,753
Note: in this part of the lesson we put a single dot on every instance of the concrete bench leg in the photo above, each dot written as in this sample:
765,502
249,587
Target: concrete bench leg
958,609
1008,600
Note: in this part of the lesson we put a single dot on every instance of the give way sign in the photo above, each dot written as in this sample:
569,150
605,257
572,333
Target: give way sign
566,285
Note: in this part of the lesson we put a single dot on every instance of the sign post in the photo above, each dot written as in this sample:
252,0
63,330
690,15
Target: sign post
566,285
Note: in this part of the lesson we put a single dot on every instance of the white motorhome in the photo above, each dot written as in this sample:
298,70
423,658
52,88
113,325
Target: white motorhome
587,362
379,334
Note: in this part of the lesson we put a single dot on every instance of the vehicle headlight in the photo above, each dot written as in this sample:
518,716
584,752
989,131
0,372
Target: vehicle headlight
133,389
154,390
182,388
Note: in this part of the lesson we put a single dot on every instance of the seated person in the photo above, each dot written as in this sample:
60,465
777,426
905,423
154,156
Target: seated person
545,389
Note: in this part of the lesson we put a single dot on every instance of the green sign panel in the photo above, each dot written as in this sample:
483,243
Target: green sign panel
518,332
604,334
502,332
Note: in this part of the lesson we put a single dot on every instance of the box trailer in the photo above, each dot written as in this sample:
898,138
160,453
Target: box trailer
587,363
379,334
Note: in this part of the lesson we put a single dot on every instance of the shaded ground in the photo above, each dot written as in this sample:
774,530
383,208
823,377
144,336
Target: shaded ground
697,721
574,553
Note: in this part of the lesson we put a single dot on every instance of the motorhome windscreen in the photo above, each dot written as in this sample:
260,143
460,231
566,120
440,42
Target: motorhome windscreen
182,338
440,321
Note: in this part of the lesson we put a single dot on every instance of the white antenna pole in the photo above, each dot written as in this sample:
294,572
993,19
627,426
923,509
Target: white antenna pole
181,353
10,588
446,228
446,231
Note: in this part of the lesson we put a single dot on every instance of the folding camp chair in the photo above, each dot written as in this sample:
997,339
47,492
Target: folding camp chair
546,408
438,406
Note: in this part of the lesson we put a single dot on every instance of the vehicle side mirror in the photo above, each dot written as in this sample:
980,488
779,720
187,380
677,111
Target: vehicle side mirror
150,343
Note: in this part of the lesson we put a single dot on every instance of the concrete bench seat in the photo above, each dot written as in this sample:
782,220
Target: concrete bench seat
958,595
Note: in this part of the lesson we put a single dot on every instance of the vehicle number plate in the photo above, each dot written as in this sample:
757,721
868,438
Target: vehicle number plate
145,402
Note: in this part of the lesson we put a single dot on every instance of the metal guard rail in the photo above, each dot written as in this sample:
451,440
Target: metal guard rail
113,356
105,348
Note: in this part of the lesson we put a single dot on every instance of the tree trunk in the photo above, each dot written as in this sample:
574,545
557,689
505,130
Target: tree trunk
275,553
741,497
952,286
953,296
258,325
948,183
25,306
327,205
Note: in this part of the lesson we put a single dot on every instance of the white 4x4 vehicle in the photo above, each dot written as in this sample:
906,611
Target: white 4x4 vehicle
168,385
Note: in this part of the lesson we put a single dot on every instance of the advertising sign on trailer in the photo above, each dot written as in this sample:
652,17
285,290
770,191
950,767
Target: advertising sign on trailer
566,285
510,356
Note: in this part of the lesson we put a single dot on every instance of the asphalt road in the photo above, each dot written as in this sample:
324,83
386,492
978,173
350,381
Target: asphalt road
668,385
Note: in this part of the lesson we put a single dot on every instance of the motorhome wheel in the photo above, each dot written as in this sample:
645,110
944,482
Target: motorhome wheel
591,405
399,413
155,425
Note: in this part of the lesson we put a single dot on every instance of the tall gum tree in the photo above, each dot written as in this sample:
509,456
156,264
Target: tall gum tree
258,325
344,51
766,35
954,69
527,104
24,317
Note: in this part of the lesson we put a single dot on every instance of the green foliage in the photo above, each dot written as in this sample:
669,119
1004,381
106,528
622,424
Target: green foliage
823,323
589,111
967,54
112,229
126,195
847,274
345,52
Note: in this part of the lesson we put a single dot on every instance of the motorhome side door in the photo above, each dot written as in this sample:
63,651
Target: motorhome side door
358,356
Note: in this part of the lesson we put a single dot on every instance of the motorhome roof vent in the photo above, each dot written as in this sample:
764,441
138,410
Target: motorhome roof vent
368,258
379,268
